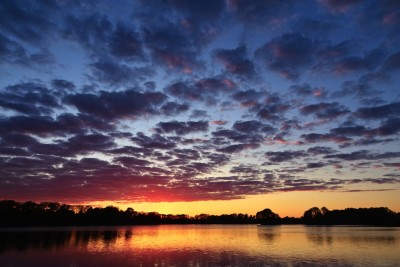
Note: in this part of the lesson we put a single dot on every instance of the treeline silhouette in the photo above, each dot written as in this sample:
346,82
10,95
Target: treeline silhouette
31,214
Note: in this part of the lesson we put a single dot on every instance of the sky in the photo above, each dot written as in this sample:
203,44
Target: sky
211,106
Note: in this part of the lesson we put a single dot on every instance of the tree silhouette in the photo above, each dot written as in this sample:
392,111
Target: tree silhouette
266,216
15,214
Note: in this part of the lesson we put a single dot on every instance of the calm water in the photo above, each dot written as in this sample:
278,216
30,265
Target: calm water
201,245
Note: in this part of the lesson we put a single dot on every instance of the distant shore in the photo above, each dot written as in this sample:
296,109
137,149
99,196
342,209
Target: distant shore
47,214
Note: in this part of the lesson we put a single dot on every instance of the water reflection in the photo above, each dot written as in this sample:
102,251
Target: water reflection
53,239
201,245
355,236
269,233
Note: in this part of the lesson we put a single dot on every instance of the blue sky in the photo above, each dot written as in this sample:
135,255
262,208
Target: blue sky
172,100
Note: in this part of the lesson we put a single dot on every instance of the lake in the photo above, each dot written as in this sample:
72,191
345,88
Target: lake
201,245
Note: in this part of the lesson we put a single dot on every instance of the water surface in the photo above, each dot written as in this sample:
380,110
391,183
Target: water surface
201,245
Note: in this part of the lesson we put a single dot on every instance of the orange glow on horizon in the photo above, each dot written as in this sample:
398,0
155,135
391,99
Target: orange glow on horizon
292,204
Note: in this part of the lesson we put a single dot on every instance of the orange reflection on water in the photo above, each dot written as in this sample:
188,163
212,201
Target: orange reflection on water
201,245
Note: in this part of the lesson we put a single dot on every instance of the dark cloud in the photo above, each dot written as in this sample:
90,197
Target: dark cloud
114,73
316,137
60,84
189,154
247,170
290,125
28,98
182,128
18,140
283,156
156,141
20,127
320,150
351,64
379,112
344,58
76,145
131,161
380,17
206,89
196,113
288,55
25,19
363,155
236,136
117,105
356,130
256,13
272,108
238,148
170,46
185,91
15,53
315,165
388,127
392,63
248,98
306,90
252,126
315,27
38,125
209,9
235,61
125,43
325,110
173,108
340,5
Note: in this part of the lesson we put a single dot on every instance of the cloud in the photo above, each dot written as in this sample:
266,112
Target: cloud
29,99
379,112
248,98
388,127
156,141
256,13
205,89
196,113
237,136
238,148
246,170
287,55
170,46
339,6
317,137
113,73
182,128
283,156
356,130
315,165
60,84
25,20
363,155
117,105
126,44
392,63
252,126
185,91
219,122
173,108
272,108
235,61
325,110
131,161
320,150
306,90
